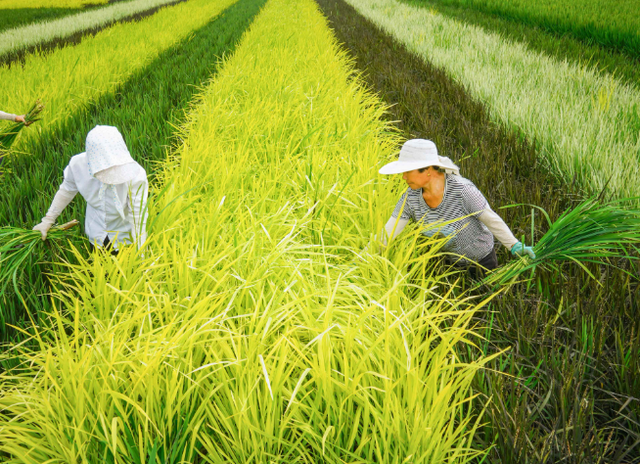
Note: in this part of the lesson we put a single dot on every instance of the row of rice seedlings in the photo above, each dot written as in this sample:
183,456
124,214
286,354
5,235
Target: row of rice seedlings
242,335
586,124
611,25
561,46
146,110
14,40
531,415
69,79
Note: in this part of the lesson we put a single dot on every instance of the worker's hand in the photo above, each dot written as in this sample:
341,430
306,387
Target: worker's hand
22,119
43,227
521,250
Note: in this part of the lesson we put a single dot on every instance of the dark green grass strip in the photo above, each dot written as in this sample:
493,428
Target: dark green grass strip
145,109
19,55
561,46
591,25
16,17
574,344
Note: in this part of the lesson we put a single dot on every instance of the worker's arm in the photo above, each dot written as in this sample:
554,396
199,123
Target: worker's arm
392,229
63,197
138,196
501,231
497,227
7,116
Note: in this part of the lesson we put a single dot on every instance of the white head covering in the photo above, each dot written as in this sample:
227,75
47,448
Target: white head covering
418,154
109,161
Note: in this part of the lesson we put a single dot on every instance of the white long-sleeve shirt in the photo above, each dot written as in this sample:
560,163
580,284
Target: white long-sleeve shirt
7,116
102,218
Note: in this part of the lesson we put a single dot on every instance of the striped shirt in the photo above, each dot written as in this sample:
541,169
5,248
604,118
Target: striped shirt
455,217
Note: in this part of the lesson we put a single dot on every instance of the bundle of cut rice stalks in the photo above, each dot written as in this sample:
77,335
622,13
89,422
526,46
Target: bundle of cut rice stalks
21,247
9,136
590,233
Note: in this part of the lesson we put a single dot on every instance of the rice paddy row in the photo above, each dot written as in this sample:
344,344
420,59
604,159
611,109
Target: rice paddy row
608,61
72,78
614,26
569,338
244,335
14,13
574,114
28,37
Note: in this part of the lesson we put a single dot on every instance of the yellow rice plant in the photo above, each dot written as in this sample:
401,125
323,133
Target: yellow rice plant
246,331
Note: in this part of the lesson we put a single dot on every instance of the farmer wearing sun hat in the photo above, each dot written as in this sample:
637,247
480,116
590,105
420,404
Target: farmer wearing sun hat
114,186
437,194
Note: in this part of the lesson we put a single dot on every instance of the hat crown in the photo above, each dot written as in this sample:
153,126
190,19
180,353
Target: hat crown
419,150
105,148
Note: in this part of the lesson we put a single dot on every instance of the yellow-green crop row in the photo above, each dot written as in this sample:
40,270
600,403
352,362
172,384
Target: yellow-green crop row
587,125
71,78
243,334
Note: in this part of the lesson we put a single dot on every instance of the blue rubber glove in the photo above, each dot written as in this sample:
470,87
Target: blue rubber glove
521,250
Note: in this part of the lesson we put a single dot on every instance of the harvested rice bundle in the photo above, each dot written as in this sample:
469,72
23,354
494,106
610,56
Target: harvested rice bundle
590,233
19,247
9,136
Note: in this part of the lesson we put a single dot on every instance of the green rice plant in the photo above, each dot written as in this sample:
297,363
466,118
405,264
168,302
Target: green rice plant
585,124
14,40
70,79
242,334
591,232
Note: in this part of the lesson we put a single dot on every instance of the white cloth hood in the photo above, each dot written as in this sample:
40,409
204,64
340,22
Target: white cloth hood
108,158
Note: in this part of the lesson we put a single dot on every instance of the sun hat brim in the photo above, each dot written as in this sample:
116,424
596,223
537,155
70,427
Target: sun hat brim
118,174
397,167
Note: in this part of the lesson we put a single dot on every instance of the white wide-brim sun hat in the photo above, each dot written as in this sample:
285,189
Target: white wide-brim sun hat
108,158
418,154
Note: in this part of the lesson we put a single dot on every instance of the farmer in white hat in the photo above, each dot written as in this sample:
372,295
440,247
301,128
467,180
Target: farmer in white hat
450,205
114,186
13,117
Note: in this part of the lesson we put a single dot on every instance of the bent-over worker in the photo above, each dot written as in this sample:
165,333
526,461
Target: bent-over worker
114,186
437,194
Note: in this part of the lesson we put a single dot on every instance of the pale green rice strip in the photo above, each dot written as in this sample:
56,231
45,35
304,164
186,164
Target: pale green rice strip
37,33
587,125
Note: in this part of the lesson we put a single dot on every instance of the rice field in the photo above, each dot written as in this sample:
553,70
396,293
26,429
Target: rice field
259,323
